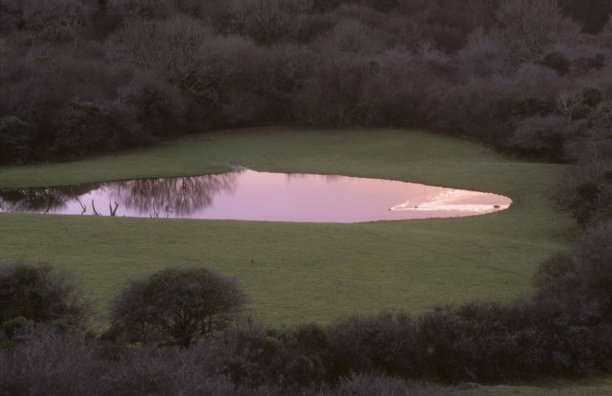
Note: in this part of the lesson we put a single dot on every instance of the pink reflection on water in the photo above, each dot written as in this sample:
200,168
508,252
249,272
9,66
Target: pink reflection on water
472,202
249,195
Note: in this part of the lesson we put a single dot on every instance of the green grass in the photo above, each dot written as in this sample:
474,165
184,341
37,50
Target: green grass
297,273
596,386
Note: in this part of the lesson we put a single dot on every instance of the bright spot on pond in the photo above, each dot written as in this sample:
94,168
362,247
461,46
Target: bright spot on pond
453,201
249,195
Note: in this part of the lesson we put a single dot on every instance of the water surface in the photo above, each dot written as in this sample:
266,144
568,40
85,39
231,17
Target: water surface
245,194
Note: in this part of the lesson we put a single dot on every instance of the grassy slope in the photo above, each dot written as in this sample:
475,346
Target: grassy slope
307,272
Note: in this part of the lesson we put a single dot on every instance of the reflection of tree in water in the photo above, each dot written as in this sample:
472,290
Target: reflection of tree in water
41,199
171,197
153,197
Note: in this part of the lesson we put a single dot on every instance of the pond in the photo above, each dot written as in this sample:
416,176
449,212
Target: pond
245,194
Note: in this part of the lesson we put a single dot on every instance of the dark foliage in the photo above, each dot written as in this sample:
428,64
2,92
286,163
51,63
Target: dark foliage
87,77
541,137
82,78
252,355
175,307
580,281
14,140
593,14
587,192
32,294
491,342
558,62
69,364
385,343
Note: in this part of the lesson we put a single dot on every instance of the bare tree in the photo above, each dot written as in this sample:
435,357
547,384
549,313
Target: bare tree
168,47
567,102
528,27
59,20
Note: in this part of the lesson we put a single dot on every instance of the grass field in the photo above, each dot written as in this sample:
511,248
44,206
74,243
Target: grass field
293,272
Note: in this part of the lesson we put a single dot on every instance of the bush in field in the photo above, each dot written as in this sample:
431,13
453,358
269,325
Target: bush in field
581,281
37,294
176,307
499,342
587,192
483,342
542,137
384,343
252,355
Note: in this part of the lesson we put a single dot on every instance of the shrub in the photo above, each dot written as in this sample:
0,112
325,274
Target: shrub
585,64
500,342
83,129
587,192
581,280
592,14
38,294
526,107
312,338
14,140
382,385
176,307
252,356
541,137
557,61
58,21
529,27
266,22
591,96
70,364
11,15
580,111
384,343
480,108
133,9
157,108
482,56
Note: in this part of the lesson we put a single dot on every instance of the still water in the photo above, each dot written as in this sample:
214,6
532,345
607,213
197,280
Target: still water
245,194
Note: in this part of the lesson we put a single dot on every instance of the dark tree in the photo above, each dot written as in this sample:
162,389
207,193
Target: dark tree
38,294
176,306
592,14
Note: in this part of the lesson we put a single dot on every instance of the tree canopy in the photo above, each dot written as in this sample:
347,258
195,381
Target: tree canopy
38,294
176,306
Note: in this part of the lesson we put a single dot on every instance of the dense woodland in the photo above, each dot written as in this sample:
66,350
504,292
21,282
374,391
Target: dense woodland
93,76
529,78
